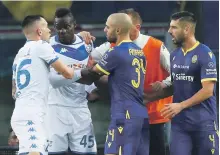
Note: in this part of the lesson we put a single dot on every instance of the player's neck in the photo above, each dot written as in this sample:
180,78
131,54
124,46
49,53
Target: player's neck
135,36
122,38
30,37
189,43
68,41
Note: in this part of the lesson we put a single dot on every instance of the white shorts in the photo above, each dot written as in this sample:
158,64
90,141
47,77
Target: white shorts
28,124
70,128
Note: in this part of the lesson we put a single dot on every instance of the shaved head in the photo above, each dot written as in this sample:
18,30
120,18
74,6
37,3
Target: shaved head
35,27
120,21
117,26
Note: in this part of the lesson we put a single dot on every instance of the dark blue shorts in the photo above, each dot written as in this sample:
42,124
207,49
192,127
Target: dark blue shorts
189,142
128,137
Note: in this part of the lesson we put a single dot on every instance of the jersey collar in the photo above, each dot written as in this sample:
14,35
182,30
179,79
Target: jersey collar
192,48
124,41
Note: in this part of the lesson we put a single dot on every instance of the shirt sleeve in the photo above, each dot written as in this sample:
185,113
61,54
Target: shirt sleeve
47,53
109,61
165,63
98,52
208,67
172,57
57,80
90,88
165,58
14,66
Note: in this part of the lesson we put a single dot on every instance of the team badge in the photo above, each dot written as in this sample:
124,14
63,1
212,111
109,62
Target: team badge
194,59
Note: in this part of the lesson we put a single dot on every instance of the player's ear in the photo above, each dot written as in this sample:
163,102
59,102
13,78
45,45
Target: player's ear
187,29
117,30
39,32
138,26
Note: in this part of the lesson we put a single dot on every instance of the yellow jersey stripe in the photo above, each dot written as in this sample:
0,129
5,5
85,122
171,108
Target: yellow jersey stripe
209,79
124,41
102,70
192,48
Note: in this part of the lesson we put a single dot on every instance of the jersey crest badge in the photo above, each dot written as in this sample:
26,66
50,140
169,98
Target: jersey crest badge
194,59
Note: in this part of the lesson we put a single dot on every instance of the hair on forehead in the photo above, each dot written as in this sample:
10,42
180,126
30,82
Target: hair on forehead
136,18
184,16
62,12
30,19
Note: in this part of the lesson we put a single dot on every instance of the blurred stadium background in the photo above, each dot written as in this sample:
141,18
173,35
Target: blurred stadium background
91,16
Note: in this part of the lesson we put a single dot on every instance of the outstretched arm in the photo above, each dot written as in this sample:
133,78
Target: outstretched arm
165,92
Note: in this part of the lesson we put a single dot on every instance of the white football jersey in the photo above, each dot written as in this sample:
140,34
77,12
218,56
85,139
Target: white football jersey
75,56
31,70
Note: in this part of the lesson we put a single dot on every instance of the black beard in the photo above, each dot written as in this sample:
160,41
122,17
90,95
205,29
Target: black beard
112,40
67,41
178,44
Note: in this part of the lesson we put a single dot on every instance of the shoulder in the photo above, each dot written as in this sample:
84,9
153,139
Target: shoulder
204,51
53,40
154,42
44,44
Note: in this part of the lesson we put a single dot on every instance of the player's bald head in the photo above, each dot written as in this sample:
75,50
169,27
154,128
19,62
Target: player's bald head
121,21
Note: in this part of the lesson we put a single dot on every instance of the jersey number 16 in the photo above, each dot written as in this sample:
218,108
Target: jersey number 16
23,72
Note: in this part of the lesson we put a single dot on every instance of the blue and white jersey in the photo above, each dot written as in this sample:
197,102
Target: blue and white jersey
31,70
75,56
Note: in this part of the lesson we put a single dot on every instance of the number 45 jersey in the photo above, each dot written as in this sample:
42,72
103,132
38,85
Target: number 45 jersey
31,70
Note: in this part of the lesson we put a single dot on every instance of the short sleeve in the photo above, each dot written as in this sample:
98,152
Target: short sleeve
208,67
98,52
14,68
109,61
172,57
165,58
47,53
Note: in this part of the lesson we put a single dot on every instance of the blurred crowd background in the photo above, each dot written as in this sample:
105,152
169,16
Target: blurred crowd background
91,16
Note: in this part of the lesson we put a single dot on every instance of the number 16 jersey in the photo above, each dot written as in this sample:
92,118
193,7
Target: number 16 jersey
31,70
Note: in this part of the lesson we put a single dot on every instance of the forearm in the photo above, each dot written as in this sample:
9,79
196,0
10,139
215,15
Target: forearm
57,80
102,82
197,98
89,76
154,96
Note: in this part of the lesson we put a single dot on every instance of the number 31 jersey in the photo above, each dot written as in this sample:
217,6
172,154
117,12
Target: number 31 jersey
31,70
125,64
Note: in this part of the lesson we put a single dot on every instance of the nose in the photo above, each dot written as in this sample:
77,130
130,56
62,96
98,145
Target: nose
62,31
169,30
105,29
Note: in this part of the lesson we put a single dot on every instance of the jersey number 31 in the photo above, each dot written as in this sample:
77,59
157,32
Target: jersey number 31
139,67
